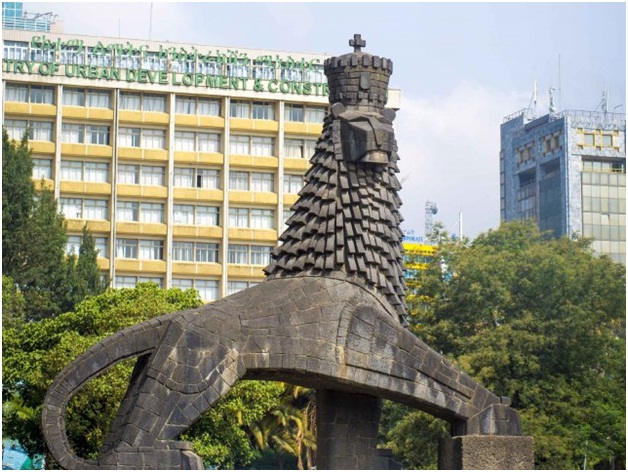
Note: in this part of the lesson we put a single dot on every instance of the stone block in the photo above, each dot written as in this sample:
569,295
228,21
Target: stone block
486,453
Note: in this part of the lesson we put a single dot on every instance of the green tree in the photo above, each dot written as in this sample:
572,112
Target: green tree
541,321
87,266
18,194
34,354
13,304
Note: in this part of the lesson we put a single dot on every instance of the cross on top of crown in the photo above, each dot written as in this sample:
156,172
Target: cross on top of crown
357,42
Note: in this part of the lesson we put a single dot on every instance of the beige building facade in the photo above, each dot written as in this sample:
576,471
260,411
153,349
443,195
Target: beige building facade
182,160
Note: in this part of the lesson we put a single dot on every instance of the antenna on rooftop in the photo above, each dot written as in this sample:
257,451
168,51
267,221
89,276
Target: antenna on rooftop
150,23
559,90
430,210
604,102
533,100
552,107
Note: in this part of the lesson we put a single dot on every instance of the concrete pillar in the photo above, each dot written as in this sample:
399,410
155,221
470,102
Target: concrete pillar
486,452
347,432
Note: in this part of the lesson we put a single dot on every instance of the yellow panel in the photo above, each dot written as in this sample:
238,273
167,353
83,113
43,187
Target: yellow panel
244,271
153,266
79,113
126,190
72,187
186,120
241,124
185,193
16,108
294,164
267,162
265,198
42,147
290,199
127,265
130,116
211,158
95,150
43,183
183,269
103,264
154,191
139,229
186,156
214,270
40,109
156,154
209,232
103,114
212,122
240,196
266,125
98,188
129,153
253,234
93,225
303,128
207,195
73,149
156,117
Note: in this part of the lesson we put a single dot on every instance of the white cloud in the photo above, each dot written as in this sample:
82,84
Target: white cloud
449,149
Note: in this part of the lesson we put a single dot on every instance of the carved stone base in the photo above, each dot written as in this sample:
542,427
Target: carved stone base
486,453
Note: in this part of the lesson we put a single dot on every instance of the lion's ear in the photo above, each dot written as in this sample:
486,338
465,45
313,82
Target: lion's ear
389,114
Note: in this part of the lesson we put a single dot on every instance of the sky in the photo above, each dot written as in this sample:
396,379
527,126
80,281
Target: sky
461,68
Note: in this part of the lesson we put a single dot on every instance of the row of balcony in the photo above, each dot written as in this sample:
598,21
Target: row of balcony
258,235
159,118
182,269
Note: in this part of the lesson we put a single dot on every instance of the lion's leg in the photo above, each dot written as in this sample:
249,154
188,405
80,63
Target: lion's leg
171,389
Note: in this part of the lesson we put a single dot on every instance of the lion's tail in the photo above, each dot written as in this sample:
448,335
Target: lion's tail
131,342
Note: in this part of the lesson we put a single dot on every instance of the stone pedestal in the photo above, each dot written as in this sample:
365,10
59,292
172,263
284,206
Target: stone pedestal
347,432
486,453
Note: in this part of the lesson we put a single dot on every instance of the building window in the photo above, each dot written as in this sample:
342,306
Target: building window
152,250
73,245
201,142
238,217
196,178
88,209
263,111
527,196
15,50
197,106
38,130
98,135
152,175
124,281
42,168
98,99
251,218
239,144
263,70
182,251
262,146
29,94
238,254
607,140
240,109
199,215
260,255
98,58
129,137
238,180
315,115
183,214
74,97
263,219
294,113
128,211
236,286
145,138
16,93
130,101
206,252
262,182
299,148
126,248
102,246
238,69
207,289
151,212
85,171
292,183
128,174
589,139
143,102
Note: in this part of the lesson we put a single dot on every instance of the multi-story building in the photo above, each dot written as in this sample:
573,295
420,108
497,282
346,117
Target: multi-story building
567,172
182,160
14,17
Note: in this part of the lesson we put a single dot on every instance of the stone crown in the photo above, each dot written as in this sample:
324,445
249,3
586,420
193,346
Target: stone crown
358,80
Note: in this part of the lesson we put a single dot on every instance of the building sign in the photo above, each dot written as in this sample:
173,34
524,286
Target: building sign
216,69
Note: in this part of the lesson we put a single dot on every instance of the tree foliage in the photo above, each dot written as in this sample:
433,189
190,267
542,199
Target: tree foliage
34,354
541,321
34,238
